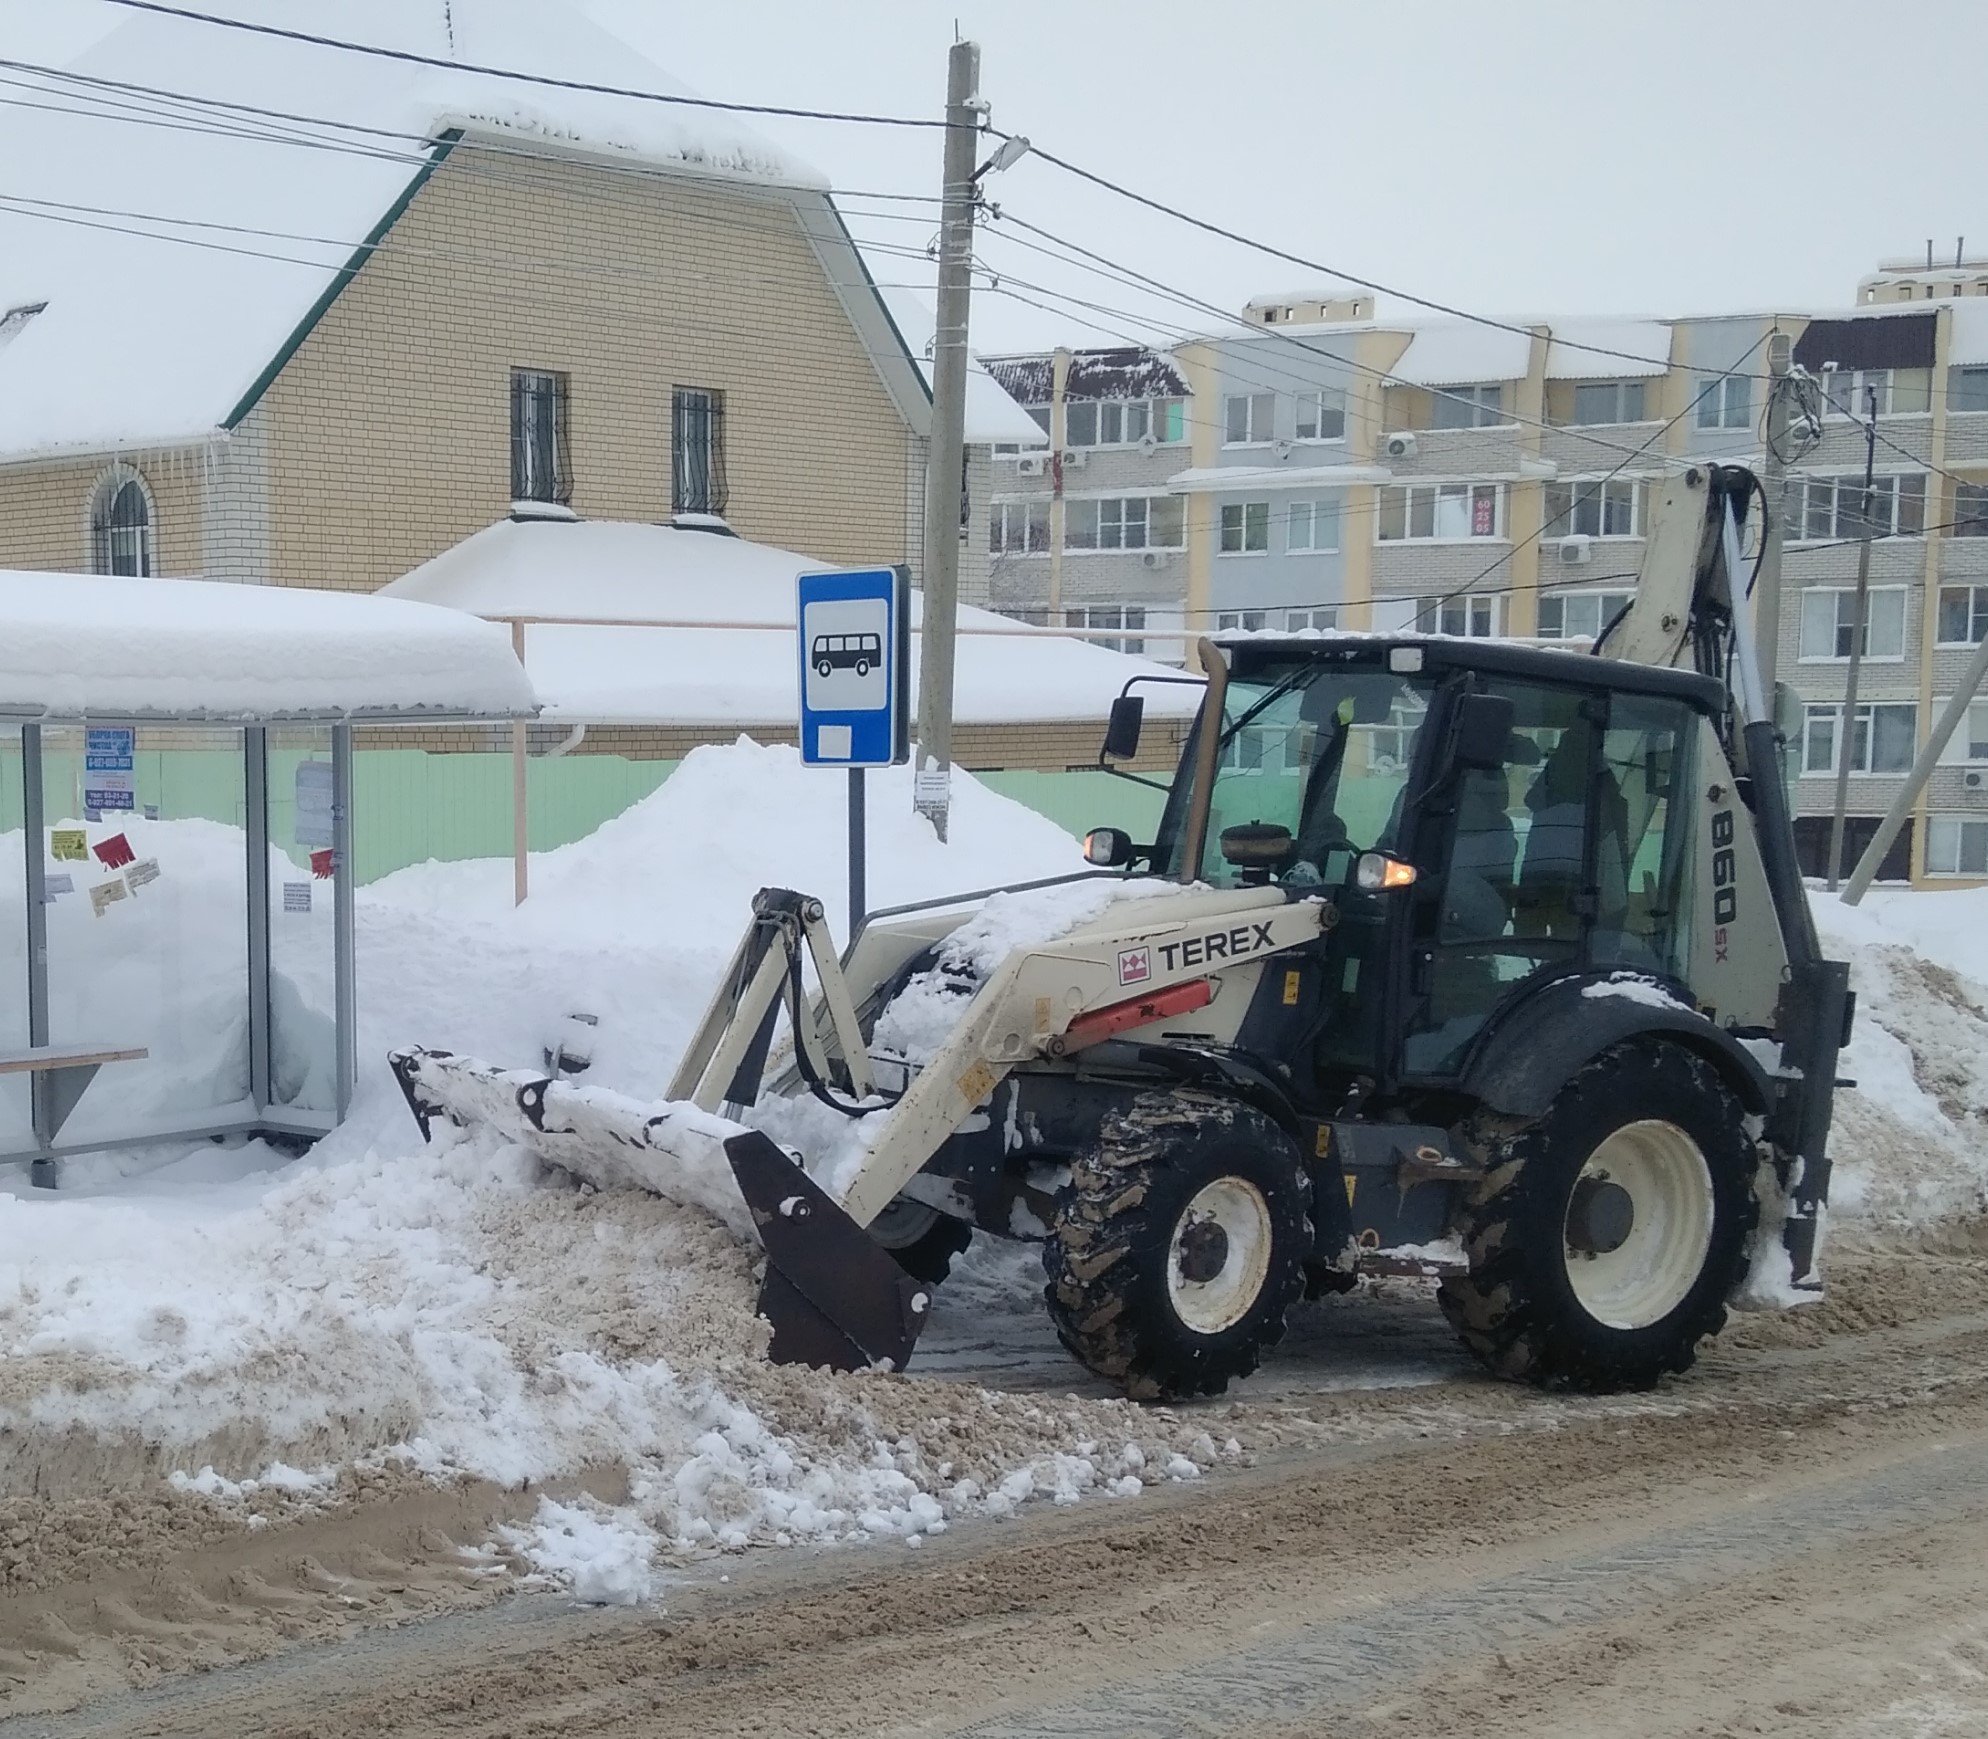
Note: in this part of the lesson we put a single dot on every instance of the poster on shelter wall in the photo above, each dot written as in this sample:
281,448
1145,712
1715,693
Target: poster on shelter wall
69,845
53,887
314,823
296,896
105,895
140,874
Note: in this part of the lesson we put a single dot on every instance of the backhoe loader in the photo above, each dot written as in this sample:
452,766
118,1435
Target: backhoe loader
1479,960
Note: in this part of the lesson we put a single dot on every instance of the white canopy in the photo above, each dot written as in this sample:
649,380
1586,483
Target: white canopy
703,630
80,646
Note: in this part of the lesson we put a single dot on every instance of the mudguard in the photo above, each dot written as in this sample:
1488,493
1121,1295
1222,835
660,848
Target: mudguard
1535,1045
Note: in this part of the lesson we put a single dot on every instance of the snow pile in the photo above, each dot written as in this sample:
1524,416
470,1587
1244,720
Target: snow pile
1911,1138
460,1310
602,1552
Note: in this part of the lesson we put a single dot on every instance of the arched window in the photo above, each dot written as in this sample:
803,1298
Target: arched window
121,526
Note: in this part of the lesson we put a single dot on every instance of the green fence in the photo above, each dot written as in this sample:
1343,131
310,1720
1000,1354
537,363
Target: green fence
412,806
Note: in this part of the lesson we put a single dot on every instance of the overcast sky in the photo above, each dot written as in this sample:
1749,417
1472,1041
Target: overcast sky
1508,156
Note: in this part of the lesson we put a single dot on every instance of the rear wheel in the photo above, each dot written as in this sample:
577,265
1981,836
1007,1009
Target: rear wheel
1608,1235
1179,1245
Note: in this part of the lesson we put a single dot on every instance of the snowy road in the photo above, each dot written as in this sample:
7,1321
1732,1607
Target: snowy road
1794,1541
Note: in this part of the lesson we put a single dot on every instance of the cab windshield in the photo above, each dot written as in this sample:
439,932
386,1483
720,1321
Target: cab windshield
1322,750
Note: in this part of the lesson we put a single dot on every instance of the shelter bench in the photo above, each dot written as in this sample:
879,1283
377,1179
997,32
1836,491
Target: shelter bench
63,1073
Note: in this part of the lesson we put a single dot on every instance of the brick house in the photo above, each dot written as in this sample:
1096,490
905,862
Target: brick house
318,351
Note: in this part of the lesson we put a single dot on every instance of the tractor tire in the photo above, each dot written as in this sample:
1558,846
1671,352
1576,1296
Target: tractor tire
921,1239
1607,1235
1179,1245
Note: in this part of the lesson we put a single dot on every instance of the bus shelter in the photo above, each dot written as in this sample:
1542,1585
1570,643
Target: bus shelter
177,949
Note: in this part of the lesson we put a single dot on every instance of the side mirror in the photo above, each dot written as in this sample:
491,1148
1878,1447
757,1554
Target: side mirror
1121,733
1483,731
1108,847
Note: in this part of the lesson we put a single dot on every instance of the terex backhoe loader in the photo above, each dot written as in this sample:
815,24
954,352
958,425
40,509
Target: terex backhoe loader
1485,961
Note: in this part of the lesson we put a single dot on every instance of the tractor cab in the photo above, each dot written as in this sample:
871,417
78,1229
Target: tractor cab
1483,818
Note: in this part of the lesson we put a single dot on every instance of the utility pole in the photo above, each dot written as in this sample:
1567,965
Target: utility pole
1774,469
931,785
1846,731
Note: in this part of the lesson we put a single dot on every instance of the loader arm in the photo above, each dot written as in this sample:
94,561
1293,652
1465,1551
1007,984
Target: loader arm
1051,999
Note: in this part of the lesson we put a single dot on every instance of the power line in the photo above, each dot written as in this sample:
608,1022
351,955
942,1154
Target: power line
1215,229
1386,376
412,58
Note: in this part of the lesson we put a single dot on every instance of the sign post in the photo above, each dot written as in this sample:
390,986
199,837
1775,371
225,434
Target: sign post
854,629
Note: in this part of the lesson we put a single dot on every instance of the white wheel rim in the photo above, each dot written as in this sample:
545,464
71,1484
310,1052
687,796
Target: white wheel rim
1212,1305
1653,1270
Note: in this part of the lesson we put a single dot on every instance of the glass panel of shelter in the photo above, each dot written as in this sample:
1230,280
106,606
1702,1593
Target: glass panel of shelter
16,1103
303,1039
147,938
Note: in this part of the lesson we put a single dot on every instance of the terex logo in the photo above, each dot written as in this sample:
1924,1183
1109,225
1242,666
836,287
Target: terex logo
1222,945
1135,965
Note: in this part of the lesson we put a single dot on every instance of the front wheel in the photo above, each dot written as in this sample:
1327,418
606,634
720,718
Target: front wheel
1179,1245
1607,1236
922,1240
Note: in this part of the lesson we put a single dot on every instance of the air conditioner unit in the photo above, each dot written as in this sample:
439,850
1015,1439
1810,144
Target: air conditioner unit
1577,551
1030,465
1075,458
1399,446
1972,781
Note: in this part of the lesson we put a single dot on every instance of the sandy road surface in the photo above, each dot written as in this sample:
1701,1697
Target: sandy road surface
1795,1541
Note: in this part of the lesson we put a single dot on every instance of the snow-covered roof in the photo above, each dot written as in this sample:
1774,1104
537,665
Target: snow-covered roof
81,646
1463,353
721,651
992,415
1645,339
154,332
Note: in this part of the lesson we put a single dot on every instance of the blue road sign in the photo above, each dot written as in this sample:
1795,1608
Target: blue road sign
855,668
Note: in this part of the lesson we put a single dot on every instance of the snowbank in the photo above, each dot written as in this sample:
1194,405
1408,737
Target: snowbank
231,1319
454,1308
1911,1138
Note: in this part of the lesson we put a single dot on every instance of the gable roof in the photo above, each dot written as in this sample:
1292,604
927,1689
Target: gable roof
155,332
721,650
993,416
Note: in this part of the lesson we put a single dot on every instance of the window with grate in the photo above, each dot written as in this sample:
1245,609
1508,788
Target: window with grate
540,468
121,527
697,451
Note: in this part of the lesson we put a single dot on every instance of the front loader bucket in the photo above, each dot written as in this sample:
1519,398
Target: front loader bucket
833,1295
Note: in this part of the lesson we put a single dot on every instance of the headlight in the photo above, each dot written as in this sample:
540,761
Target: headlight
1376,872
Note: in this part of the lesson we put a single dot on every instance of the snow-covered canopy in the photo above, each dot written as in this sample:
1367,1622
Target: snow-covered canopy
154,331
1463,353
718,645
1648,340
80,646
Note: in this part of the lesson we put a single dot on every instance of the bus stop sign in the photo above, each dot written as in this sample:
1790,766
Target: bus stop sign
855,667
